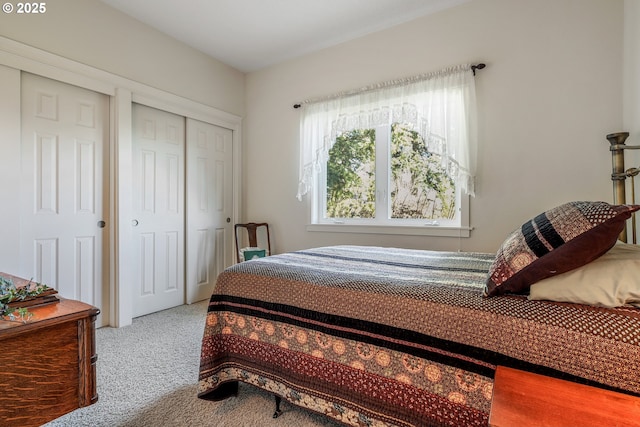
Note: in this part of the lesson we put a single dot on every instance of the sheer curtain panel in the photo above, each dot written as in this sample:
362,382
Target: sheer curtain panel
440,106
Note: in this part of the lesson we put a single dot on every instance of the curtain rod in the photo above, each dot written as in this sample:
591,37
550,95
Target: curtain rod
475,67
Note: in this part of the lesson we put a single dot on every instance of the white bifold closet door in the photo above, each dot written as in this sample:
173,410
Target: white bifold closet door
64,224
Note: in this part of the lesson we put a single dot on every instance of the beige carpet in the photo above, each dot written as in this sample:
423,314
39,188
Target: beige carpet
147,377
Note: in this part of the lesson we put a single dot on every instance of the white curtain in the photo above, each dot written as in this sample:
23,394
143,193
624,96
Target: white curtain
441,106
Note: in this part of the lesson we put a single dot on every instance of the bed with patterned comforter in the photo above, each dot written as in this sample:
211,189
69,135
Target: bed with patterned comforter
375,336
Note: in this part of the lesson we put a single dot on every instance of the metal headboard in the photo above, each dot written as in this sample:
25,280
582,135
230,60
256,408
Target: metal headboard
619,176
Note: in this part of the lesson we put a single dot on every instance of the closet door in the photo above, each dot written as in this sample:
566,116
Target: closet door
209,206
64,208
158,204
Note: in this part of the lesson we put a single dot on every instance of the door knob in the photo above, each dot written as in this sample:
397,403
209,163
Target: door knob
101,224
134,222
228,219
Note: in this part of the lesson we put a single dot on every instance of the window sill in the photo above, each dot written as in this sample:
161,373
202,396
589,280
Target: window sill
436,231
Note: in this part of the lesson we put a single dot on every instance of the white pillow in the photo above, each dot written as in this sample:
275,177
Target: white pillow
612,280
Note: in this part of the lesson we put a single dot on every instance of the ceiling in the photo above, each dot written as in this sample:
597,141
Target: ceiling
253,34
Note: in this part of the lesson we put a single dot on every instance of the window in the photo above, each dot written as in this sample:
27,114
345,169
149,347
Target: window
374,174
392,159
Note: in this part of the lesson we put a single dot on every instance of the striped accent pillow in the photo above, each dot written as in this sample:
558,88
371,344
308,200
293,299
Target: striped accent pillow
556,241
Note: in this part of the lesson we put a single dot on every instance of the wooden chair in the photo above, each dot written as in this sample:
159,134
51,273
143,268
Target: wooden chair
252,231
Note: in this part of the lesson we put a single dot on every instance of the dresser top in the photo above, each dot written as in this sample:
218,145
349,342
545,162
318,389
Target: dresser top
48,314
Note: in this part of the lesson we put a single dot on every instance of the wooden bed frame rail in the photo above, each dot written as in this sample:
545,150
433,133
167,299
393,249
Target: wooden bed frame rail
619,176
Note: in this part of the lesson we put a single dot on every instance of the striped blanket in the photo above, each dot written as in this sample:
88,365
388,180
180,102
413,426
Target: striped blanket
395,337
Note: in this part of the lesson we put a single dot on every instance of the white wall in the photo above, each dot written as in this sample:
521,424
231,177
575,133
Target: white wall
631,118
90,32
631,84
9,170
550,93
85,42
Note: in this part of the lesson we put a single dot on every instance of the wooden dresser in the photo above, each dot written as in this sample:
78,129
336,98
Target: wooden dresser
47,365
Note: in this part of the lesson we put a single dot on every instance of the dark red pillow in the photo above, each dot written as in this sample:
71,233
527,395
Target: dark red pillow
556,241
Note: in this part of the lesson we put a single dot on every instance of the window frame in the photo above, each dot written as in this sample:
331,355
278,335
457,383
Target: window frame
384,224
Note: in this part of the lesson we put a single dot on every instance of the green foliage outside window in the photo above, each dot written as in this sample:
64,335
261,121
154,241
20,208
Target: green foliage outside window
419,186
351,184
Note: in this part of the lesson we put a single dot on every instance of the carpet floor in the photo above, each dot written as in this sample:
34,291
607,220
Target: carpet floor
147,376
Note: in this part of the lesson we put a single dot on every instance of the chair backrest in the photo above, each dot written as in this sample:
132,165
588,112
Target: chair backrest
252,231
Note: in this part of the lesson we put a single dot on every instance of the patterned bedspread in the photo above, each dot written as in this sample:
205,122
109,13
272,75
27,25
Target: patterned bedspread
380,336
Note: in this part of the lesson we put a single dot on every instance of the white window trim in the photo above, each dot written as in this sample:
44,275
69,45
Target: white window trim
464,230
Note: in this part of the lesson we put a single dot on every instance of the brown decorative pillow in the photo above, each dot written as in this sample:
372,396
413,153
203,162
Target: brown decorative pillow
556,241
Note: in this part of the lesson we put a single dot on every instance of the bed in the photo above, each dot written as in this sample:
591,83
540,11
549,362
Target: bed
374,336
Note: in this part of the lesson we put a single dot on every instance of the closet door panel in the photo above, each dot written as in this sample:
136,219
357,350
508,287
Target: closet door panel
209,206
64,228
158,204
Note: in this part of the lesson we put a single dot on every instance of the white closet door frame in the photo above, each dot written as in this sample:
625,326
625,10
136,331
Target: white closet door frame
123,92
